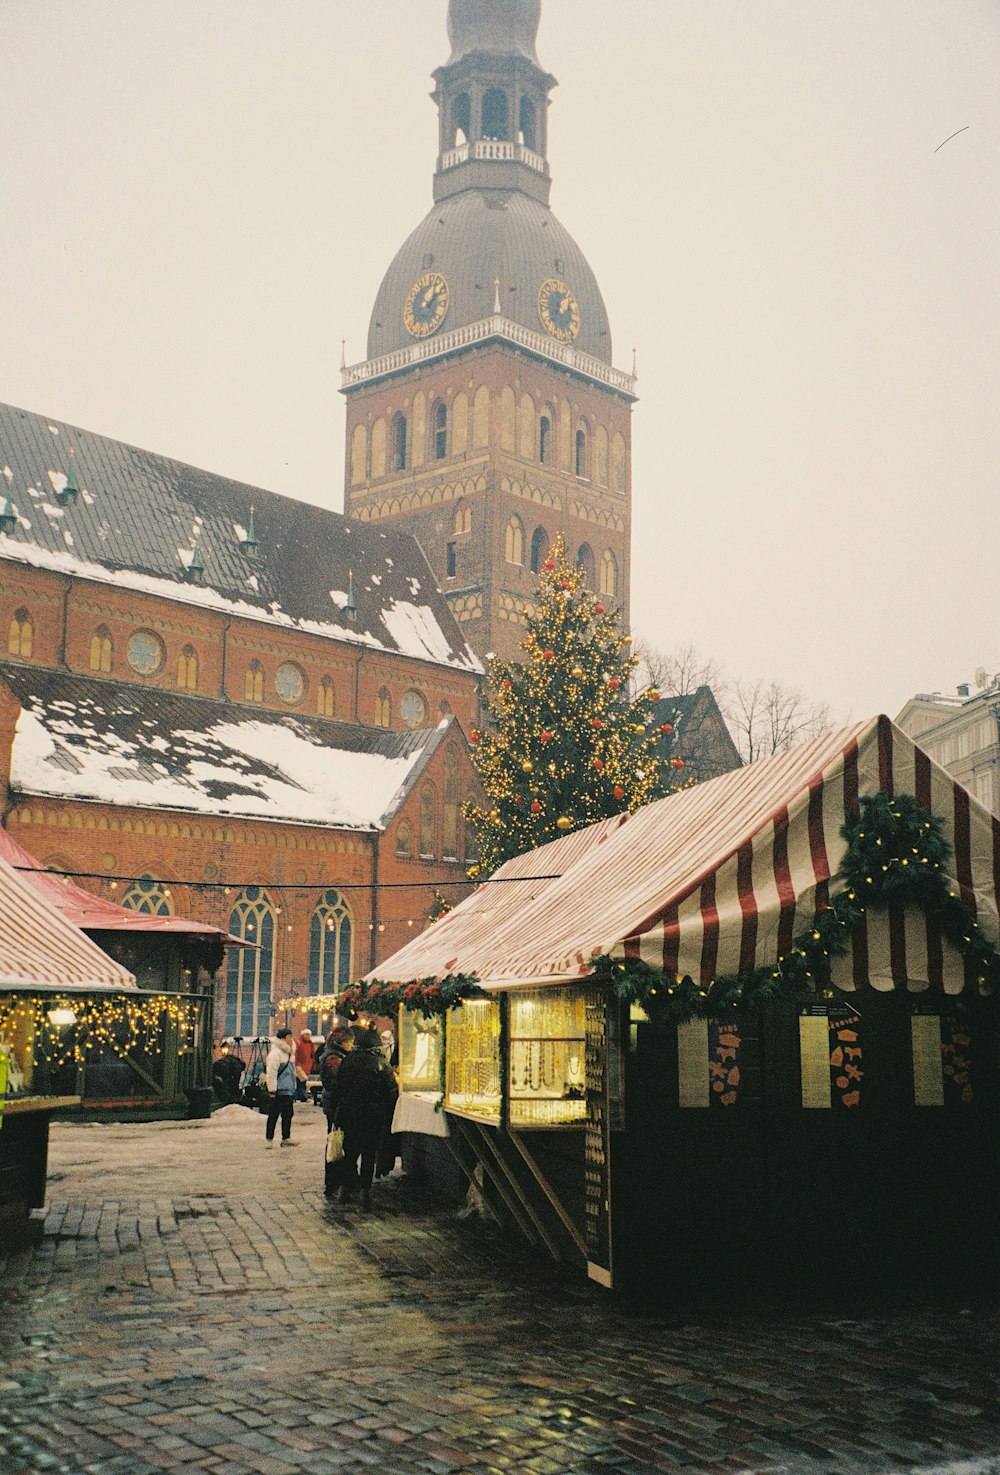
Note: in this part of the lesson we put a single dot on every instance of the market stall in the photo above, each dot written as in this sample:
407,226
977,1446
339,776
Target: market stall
50,976
749,1031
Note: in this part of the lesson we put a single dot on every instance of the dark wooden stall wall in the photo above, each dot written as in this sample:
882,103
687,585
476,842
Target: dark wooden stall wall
24,1147
768,1197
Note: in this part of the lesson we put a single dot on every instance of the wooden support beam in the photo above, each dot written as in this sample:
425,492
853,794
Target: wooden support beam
469,1135
526,1204
550,1193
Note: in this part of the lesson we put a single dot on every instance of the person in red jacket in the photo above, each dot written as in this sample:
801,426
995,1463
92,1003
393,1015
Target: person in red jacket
304,1051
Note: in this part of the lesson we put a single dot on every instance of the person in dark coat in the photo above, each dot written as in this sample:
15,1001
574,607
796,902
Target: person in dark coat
363,1097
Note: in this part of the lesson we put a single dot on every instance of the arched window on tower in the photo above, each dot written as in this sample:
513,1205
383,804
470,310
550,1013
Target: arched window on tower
21,636
609,573
545,439
496,115
383,708
359,455
427,825
585,563
601,456
187,669
539,549
100,650
461,120
581,450
527,131
397,443
514,541
440,430
450,824
463,517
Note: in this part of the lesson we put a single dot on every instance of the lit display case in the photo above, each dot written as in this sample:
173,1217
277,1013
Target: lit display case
473,1059
17,1042
421,1044
548,1058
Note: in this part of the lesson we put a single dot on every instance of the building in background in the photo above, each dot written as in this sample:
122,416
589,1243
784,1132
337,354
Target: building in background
700,735
226,703
488,415
962,733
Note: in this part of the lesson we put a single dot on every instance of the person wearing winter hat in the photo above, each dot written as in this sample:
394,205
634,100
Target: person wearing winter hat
304,1052
281,1082
363,1097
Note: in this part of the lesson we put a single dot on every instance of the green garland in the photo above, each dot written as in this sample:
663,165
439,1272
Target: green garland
428,996
896,855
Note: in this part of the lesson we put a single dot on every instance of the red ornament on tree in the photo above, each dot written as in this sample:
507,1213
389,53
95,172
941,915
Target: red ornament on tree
613,683
596,722
618,791
549,655
547,737
549,565
678,763
598,609
473,736
667,728
505,684
536,808
598,764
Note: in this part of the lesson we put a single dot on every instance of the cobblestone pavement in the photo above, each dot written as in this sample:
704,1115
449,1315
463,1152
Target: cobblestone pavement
197,1306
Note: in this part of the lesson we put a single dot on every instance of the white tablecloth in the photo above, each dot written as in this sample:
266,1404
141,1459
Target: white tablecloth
415,1113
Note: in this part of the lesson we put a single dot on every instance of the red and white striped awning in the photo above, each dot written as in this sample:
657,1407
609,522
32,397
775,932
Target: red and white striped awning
719,879
39,949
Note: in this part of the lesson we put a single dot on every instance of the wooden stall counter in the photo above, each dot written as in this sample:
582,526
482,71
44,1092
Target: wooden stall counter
24,1152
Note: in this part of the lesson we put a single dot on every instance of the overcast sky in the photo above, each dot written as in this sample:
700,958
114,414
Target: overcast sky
198,199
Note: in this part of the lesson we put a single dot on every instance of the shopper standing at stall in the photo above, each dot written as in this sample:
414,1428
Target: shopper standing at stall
281,1083
304,1052
363,1097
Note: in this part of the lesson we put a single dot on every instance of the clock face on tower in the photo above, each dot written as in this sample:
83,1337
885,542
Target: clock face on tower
426,304
558,310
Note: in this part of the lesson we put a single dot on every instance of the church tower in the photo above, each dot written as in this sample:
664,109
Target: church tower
488,416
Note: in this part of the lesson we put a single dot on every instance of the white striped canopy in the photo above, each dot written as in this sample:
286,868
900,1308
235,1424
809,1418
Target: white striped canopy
39,949
720,878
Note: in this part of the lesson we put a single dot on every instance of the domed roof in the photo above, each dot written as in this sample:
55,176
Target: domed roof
504,27
475,237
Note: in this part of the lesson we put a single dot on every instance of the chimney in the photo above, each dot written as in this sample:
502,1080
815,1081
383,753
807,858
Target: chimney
963,690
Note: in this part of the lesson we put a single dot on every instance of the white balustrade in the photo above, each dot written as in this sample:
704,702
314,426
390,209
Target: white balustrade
491,327
492,149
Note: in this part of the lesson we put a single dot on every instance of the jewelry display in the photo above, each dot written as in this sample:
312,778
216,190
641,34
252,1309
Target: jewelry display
420,1043
547,1052
473,1059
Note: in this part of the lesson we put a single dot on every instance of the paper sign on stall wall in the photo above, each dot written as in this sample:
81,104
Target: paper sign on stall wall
928,1065
692,1064
814,1054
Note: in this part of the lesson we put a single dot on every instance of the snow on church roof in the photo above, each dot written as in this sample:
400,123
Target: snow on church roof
138,518
109,742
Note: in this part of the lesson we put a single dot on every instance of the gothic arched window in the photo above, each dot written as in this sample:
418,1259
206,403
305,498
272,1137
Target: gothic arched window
330,936
383,709
450,825
470,846
326,703
601,468
427,823
187,669
148,896
404,842
21,637
463,517
249,970
539,549
100,649
545,439
397,443
609,573
514,541
585,563
496,115
253,683
359,455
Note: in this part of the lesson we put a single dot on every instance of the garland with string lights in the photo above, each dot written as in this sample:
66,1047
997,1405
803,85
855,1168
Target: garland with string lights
72,1029
563,744
429,996
896,855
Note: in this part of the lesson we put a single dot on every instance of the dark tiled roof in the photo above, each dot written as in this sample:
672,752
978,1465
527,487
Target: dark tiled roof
107,741
138,515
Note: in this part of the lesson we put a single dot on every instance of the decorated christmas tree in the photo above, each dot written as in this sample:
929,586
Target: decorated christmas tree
564,743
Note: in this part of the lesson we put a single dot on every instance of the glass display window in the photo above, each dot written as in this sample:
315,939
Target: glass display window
17,1046
473,1059
548,1033
421,1044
